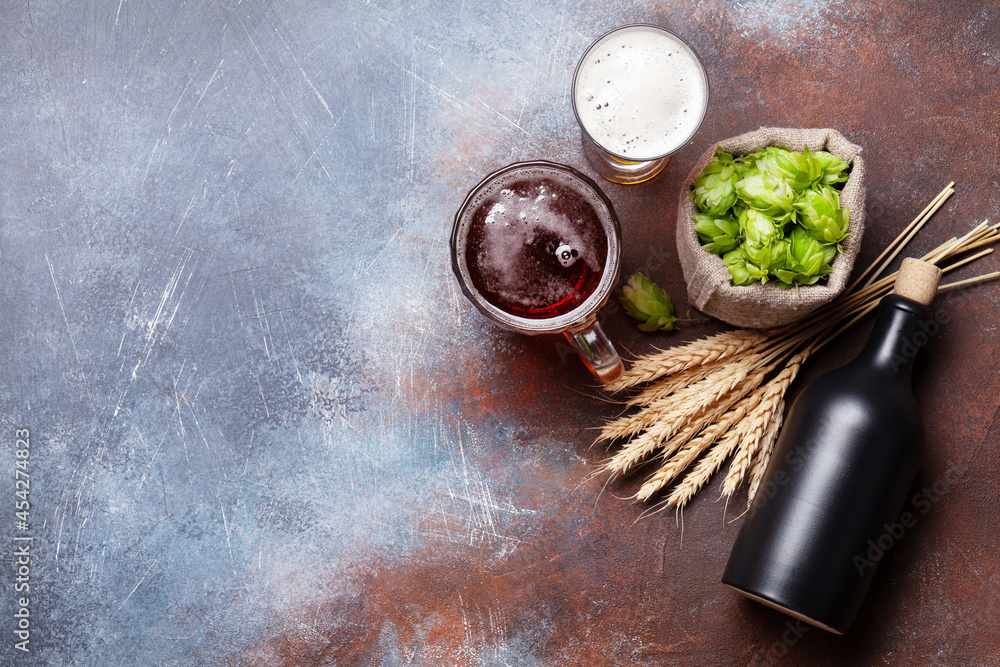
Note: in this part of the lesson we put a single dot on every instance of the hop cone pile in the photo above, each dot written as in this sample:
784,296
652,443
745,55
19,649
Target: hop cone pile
773,215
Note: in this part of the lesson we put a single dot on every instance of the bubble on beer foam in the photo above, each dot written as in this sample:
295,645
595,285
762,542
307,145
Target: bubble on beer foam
641,93
497,209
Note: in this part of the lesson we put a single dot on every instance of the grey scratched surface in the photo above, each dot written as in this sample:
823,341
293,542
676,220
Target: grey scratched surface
267,430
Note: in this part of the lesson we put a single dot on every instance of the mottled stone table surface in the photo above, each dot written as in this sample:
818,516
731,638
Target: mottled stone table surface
267,429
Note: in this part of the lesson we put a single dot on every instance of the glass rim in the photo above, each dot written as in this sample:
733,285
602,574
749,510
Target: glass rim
579,315
633,26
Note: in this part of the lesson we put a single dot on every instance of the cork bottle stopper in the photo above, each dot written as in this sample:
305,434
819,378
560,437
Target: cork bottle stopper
917,280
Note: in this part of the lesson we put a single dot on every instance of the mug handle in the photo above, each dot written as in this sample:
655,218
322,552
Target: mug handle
595,350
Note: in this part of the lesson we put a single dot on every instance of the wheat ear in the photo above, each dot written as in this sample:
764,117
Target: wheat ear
719,452
686,399
690,402
753,430
680,358
764,455
697,478
669,471
713,413
656,403
673,383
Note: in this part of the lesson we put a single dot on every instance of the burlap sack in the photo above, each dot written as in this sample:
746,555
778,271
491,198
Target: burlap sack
709,282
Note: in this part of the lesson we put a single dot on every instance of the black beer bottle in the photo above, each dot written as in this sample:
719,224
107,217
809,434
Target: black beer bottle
840,472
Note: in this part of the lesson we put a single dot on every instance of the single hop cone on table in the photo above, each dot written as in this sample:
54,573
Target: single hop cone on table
648,304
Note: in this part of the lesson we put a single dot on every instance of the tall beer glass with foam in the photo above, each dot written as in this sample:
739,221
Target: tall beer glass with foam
640,93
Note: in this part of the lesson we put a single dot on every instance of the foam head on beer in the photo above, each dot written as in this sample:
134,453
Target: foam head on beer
640,93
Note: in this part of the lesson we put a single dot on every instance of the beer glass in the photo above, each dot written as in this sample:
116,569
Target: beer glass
536,248
640,93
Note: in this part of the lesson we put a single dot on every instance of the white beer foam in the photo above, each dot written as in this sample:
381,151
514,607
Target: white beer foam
641,93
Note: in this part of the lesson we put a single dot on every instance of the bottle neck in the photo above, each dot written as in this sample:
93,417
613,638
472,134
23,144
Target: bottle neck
902,329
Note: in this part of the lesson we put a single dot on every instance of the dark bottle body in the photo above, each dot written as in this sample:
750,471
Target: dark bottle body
837,479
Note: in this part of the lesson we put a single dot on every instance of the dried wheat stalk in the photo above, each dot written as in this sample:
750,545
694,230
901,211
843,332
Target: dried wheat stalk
714,413
676,359
687,455
707,401
667,386
668,442
684,402
685,405
759,420
764,456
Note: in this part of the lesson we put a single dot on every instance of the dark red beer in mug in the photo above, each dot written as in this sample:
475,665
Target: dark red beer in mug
536,248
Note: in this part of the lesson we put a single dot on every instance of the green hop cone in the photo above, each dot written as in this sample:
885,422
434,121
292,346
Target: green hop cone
758,228
819,213
748,162
648,304
737,265
762,259
806,260
717,234
834,169
799,170
714,192
766,194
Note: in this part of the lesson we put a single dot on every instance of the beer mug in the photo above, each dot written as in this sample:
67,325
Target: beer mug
536,248
640,93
